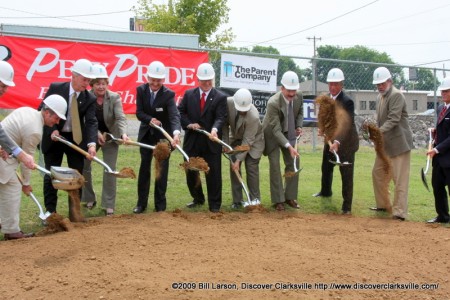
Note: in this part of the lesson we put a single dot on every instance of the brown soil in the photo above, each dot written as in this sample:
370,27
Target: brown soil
160,153
242,148
75,214
196,163
175,255
127,173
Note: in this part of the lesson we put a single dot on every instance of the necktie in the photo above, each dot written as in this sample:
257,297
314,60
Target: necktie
442,114
76,126
202,102
152,98
291,124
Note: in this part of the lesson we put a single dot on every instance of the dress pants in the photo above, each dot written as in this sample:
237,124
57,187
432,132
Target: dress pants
289,191
10,197
110,153
441,179
400,176
252,176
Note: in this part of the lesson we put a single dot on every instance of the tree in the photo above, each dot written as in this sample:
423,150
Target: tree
357,76
423,82
202,17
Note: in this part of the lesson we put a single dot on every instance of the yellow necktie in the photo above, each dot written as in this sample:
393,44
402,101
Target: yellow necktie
76,126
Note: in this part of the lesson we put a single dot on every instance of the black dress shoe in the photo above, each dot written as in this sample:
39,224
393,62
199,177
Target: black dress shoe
346,212
236,206
437,220
214,210
139,209
377,209
398,218
193,204
317,194
17,235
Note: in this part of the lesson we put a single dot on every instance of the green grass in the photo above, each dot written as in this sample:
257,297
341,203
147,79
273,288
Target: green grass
421,203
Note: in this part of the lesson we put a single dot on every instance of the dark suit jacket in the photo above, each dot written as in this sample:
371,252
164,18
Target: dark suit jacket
164,109
213,116
86,110
443,140
348,139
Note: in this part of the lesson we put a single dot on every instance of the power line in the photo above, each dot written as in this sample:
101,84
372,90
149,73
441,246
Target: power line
70,16
320,24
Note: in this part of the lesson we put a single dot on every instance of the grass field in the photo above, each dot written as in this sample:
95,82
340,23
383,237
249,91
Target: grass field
421,203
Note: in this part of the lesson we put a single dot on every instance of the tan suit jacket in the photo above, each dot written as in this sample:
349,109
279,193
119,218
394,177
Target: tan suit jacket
274,123
249,132
24,126
392,118
113,114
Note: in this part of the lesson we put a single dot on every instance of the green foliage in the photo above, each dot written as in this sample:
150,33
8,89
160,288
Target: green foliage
202,17
425,81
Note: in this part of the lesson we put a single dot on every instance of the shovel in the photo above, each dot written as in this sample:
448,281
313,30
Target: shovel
43,216
217,140
110,138
338,161
296,170
96,159
423,173
63,178
189,165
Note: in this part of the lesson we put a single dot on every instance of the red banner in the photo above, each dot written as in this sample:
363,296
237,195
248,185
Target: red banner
39,62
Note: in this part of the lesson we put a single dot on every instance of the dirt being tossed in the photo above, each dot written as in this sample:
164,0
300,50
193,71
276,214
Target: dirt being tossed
55,223
160,153
127,172
196,163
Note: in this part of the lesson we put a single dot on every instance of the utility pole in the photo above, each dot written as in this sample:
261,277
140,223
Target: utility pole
314,85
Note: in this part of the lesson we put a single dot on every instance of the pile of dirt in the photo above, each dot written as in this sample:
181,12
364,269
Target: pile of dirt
187,255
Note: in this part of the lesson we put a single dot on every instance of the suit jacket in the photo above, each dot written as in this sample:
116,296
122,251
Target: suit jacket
164,109
442,139
274,121
349,139
249,132
5,141
392,118
24,126
213,116
86,110
113,114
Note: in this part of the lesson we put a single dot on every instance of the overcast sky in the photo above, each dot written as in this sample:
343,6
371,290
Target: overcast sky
412,32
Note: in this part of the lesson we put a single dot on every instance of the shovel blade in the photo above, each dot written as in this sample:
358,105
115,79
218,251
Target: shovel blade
424,179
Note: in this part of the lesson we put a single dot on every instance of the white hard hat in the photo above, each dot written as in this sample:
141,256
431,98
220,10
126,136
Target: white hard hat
380,75
58,104
84,67
99,71
156,70
205,72
290,81
445,84
6,73
242,100
335,75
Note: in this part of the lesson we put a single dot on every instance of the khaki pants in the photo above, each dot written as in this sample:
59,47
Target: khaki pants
10,196
400,176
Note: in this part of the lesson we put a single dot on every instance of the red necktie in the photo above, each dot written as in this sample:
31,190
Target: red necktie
442,114
202,102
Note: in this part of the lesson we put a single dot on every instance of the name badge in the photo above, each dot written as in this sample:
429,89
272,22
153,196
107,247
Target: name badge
159,109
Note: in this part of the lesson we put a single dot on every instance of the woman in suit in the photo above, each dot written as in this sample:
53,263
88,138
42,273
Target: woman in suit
111,119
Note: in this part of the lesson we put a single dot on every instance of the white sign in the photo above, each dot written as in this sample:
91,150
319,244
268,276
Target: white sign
250,72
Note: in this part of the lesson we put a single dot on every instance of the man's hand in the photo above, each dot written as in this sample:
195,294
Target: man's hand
155,121
235,165
3,154
214,134
125,138
54,133
26,159
194,126
176,140
92,152
100,139
431,153
27,189
334,147
298,131
293,152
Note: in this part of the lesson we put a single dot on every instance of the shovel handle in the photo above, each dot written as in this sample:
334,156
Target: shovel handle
43,170
214,139
71,145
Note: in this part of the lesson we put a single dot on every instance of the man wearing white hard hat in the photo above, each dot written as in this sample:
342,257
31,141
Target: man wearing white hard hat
204,107
79,128
392,120
111,119
24,125
7,144
243,128
282,125
345,144
441,156
155,103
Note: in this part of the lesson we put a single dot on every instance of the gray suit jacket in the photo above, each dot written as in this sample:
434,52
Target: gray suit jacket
5,141
248,133
392,119
113,114
274,125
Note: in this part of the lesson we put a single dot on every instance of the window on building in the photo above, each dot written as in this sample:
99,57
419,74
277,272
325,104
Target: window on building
362,105
415,105
372,105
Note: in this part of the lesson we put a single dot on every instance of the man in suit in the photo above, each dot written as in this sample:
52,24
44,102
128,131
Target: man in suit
81,130
243,128
441,156
7,144
204,107
155,103
281,125
24,125
346,145
392,120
